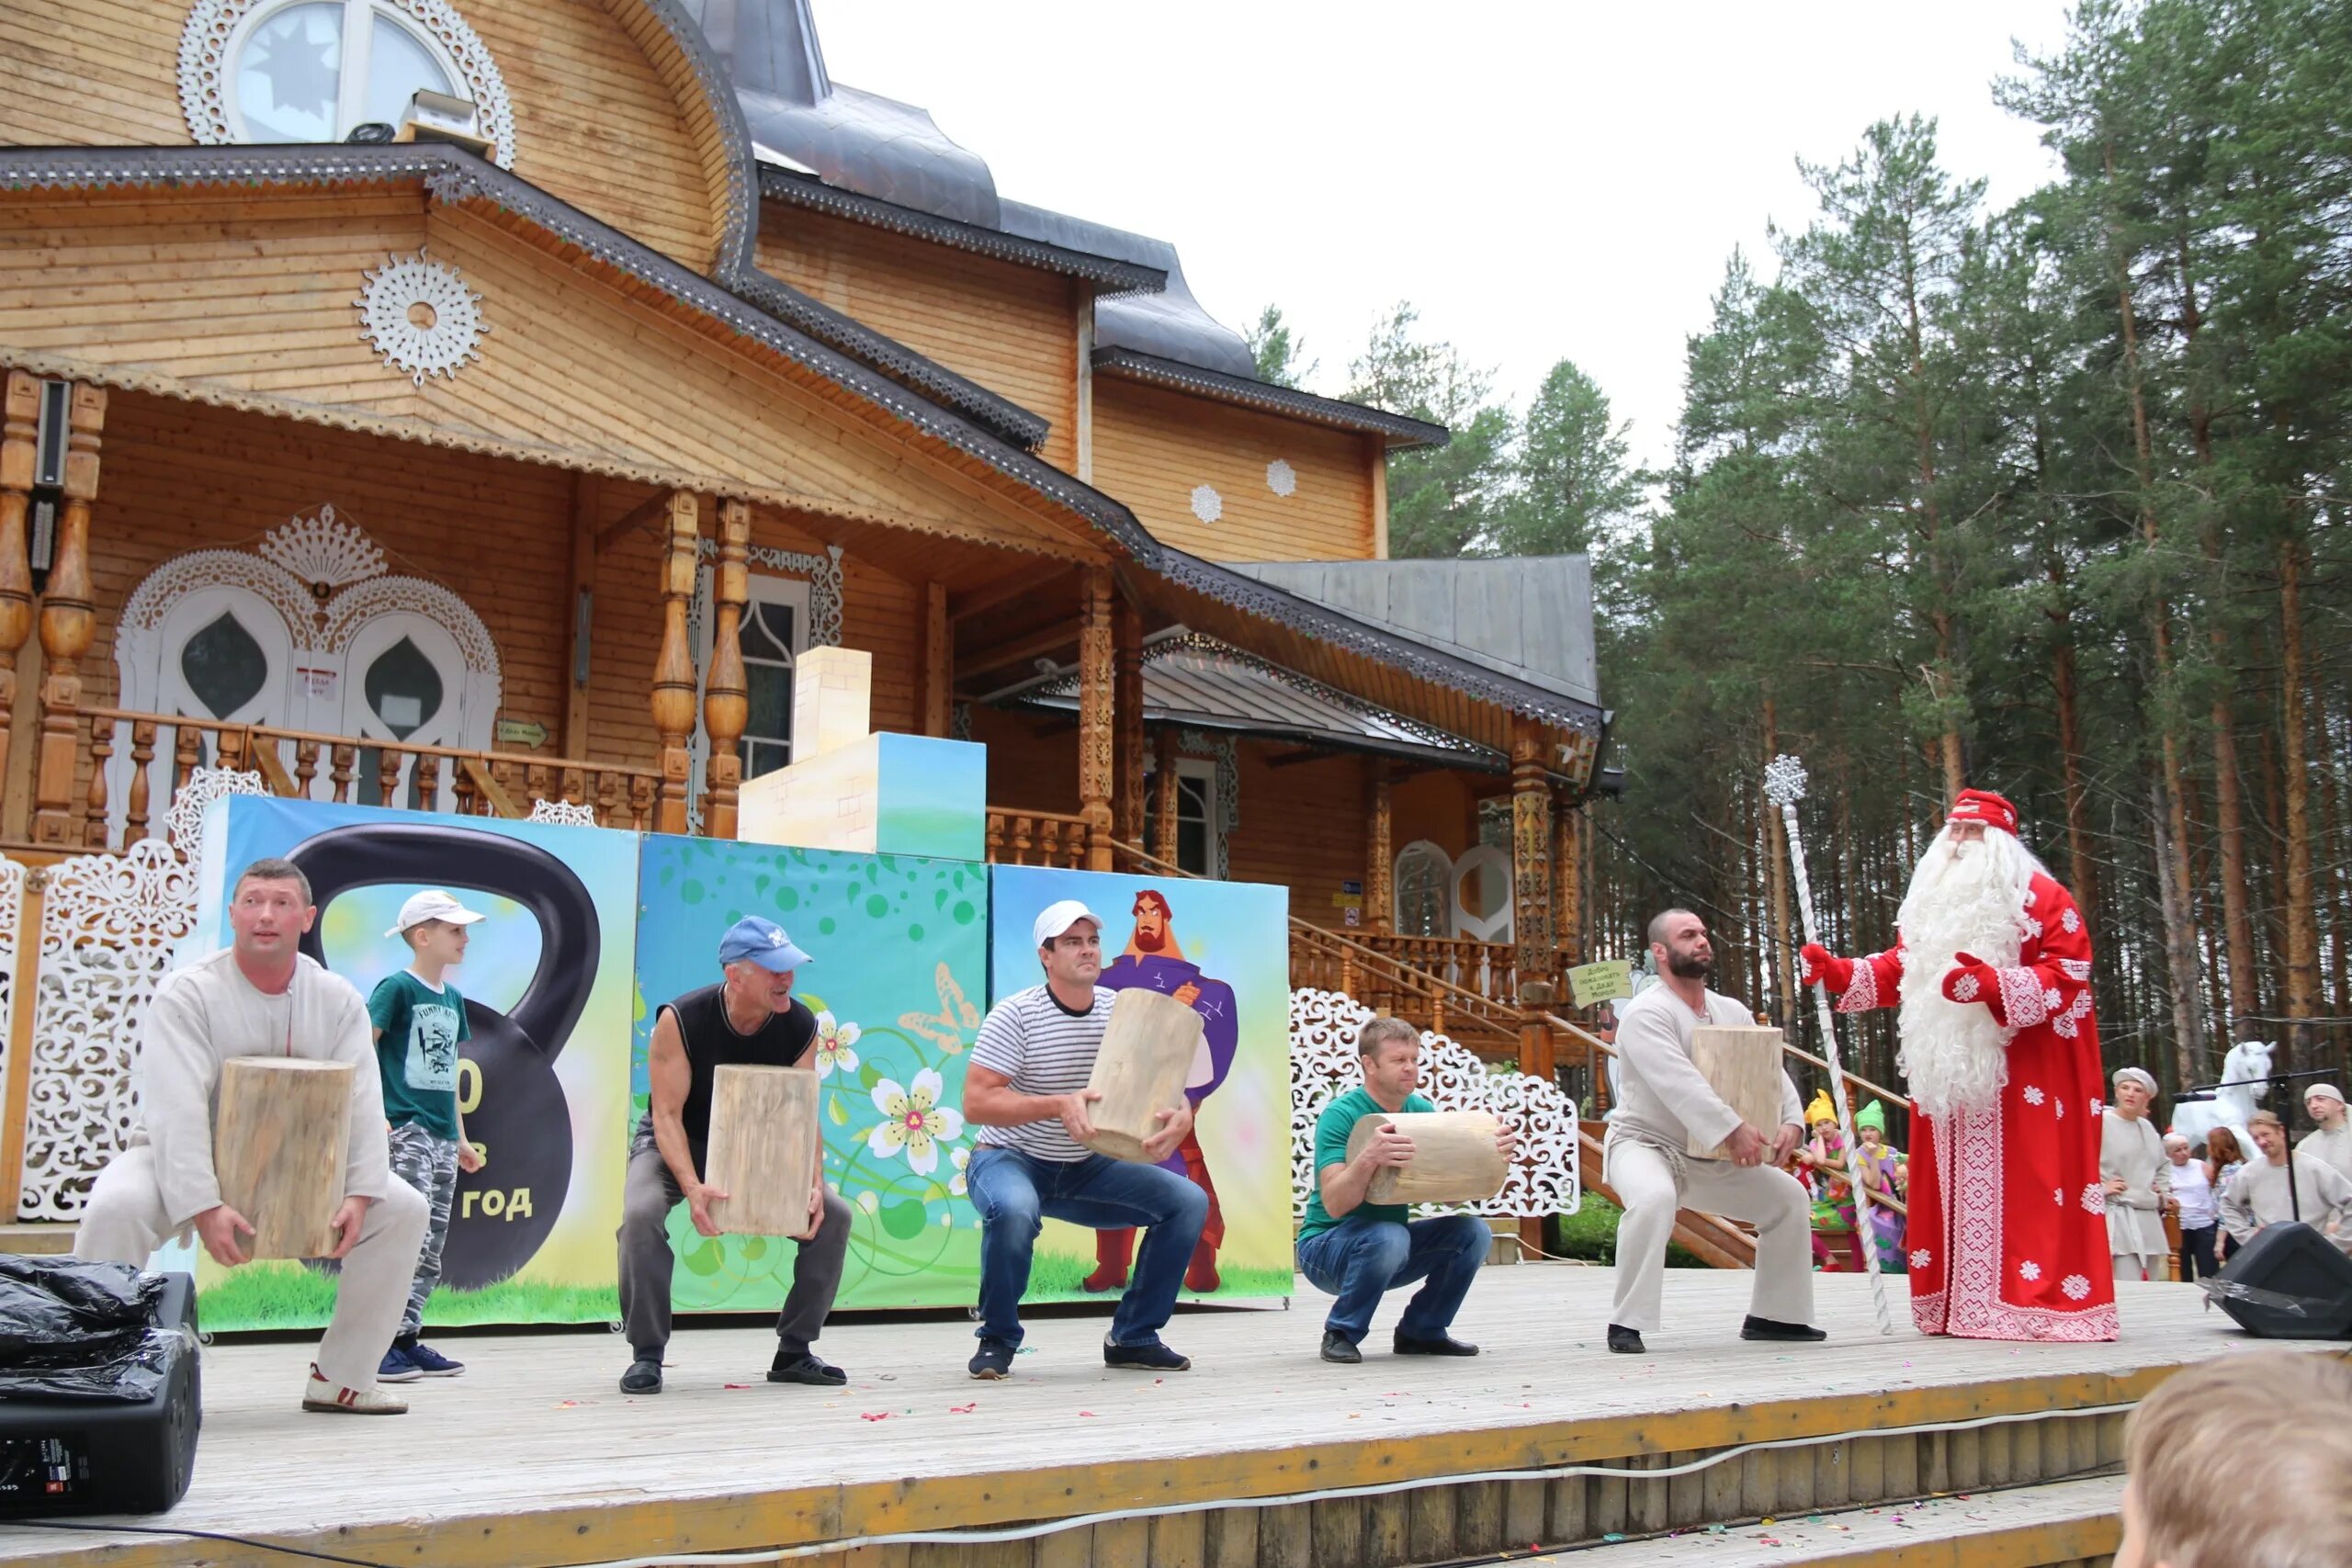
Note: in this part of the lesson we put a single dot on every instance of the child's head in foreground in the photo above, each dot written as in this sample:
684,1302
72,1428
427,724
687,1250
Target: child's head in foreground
2242,1461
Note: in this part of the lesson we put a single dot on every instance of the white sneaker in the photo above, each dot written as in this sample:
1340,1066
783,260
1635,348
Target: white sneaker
320,1394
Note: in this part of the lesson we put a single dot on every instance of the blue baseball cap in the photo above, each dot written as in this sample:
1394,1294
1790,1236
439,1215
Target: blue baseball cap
762,943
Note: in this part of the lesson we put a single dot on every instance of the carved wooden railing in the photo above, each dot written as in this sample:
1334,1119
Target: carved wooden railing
144,757
1036,838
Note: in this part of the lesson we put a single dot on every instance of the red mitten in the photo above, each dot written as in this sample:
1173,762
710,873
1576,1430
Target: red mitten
1972,979
1823,968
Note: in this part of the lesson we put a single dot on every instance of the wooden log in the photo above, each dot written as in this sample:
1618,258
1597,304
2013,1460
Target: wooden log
1148,1051
762,1154
1743,1065
279,1142
1454,1159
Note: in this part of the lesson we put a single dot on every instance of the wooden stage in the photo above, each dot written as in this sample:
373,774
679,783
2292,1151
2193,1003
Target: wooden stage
534,1457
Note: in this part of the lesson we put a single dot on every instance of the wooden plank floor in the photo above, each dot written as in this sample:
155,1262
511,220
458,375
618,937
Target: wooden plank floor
535,1451
2062,1522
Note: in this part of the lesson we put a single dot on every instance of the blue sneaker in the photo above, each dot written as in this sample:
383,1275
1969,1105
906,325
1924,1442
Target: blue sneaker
432,1363
396,1366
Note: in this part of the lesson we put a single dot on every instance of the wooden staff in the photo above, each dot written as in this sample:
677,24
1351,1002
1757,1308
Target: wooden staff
1147,1055
1454,1158
279,1141
763,1151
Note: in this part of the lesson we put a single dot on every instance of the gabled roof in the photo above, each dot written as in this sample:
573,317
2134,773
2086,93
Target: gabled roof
1529,617
1197,681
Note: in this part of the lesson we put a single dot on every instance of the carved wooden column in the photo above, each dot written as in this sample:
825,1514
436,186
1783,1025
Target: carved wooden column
674,668
1128,736
67,622
726,707
1530,860
1164,798
1568,879
1380,852
938,663
22,420
1096,717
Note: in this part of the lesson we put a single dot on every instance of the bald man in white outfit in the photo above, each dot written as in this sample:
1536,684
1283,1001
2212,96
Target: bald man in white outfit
1663,1102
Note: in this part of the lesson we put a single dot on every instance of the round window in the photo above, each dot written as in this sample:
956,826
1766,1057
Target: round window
264,71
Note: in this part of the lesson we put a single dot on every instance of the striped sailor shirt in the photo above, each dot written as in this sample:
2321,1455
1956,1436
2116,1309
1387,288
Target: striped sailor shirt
1044,1048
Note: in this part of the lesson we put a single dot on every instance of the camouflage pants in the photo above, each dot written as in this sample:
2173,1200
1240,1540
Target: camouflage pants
429,1164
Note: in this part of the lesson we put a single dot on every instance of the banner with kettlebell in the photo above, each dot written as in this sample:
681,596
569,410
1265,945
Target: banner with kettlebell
543,1079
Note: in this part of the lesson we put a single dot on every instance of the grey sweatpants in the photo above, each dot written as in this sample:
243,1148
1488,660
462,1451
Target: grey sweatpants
648,1194
126,1221
428,1162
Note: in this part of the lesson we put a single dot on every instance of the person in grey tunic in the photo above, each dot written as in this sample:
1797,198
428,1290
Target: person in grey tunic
2331,1136
2137,1178
1664,1100
2258,1196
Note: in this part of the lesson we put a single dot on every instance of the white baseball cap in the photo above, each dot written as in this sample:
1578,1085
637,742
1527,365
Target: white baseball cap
432,904
1056,919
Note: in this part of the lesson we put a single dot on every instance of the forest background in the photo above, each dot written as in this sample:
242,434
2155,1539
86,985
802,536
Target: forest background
2049,500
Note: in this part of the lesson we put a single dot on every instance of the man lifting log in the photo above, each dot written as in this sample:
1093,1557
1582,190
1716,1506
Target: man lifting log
264,999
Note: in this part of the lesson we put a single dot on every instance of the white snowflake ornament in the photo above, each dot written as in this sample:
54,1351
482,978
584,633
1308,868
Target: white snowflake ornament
421,317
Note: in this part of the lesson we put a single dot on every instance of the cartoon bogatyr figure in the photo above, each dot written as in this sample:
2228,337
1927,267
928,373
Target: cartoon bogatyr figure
1154,959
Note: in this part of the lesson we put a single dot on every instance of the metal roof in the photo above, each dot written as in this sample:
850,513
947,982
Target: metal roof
1402,430
1529,617
1194,679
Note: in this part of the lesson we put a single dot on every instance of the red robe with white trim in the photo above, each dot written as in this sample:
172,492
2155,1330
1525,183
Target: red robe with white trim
2007,1232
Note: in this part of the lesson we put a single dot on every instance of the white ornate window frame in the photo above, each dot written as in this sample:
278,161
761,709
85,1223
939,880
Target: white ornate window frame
215,28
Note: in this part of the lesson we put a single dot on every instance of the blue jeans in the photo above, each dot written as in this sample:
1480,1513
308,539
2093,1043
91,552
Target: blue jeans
1016,1193
1358,1259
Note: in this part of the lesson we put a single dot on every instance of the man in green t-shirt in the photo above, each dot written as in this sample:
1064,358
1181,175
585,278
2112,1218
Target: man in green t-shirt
420,1022
1357,1251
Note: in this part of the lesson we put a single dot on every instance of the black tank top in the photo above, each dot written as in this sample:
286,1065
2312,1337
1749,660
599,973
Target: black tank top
712,1040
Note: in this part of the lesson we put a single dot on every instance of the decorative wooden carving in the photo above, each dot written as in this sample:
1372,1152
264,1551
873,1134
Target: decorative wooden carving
1127,797
1380,859
1095,716
67,623
1530,859
1568,879
22,418
673,670
1164,798
726,707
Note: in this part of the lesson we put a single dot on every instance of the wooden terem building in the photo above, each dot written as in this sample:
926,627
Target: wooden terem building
474,402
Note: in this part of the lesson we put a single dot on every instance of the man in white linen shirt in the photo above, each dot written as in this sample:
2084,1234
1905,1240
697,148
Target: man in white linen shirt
2331,1136
263,997
1664,1100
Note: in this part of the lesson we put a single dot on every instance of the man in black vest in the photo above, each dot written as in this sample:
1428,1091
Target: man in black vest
752,1018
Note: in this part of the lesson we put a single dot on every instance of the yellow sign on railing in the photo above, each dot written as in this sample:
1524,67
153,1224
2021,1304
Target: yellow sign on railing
1605,981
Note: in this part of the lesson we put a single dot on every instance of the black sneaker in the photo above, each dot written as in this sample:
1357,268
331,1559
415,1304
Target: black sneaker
992,1360
1441,1345
1626,1341
806,1368
1754,1327
644,1376
1340,1348
1152,1358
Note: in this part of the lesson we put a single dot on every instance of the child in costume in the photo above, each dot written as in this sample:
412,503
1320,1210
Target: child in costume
1823,1158
1883,1170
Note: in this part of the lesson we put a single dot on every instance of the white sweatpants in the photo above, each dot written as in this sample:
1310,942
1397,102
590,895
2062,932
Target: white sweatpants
1773,1199
125,1223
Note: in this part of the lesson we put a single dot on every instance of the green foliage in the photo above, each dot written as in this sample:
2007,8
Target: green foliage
1278,353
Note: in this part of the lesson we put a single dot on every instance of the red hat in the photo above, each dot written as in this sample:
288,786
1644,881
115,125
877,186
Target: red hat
1983,805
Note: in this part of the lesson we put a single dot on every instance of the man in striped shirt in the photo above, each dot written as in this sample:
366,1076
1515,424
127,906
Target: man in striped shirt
1025,1089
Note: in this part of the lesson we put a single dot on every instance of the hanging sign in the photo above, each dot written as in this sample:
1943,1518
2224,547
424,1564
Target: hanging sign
1606,981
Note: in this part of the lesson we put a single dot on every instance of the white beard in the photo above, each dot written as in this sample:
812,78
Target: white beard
1955,1055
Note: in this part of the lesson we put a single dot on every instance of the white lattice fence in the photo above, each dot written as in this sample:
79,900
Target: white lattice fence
1323,1064
108,924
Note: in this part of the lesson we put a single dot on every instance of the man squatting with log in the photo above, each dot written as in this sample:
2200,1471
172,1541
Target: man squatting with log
1664,1103
1357,1250
1025,1089
750,1018
264,998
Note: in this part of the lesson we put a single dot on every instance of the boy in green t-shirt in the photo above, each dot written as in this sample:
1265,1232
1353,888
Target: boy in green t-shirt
1357,1251
420,1023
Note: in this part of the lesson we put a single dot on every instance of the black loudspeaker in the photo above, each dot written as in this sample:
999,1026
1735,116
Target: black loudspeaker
2289,1259
72,1456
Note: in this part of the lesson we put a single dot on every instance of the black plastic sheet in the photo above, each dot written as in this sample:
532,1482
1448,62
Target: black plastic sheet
71,1329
